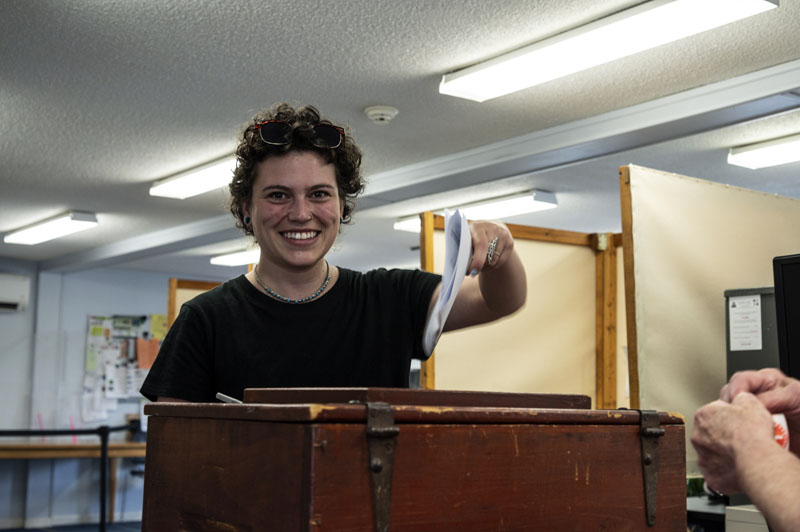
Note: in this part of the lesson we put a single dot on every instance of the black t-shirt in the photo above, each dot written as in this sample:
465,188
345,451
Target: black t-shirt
363,332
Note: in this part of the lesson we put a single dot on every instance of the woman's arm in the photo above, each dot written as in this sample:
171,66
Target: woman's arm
500,287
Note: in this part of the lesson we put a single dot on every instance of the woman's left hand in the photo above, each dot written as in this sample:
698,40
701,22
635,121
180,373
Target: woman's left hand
492,245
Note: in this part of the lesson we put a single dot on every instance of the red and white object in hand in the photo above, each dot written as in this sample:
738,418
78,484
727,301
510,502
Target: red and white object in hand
781,430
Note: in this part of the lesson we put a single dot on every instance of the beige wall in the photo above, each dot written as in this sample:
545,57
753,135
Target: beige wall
546,347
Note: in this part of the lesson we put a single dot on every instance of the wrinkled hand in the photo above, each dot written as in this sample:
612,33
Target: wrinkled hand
483,233
777,392
724,432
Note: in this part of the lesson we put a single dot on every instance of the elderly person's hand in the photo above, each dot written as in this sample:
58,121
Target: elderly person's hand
777,392
725,433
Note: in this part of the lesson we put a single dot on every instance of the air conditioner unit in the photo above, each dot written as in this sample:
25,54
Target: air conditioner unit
14,291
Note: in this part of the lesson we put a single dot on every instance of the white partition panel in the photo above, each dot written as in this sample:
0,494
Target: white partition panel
692,240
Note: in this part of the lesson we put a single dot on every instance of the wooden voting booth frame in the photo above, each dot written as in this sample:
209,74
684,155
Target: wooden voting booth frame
686,241
607,303
181,291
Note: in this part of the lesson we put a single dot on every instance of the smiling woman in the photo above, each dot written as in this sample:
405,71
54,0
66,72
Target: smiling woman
294,214
296,320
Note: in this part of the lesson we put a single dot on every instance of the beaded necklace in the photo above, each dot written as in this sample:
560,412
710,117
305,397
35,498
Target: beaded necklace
279,297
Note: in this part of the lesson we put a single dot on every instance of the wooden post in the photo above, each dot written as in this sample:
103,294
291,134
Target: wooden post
172,311
427,374
630,286
606,324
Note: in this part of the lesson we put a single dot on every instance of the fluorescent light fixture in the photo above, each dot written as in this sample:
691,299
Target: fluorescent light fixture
508,206
207,177
56,227
239,258
493,209
769,153
412,224
625,33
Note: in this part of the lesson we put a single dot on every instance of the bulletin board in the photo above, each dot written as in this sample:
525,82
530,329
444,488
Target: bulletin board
120,350
685,242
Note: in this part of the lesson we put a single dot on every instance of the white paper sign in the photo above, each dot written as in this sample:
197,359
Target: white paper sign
744,318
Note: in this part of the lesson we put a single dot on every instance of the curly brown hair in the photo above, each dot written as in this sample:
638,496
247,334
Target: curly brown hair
252,150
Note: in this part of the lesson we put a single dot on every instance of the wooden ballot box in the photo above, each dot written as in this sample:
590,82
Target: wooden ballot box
411,460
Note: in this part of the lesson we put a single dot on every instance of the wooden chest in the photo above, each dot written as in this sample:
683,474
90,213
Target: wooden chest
403,460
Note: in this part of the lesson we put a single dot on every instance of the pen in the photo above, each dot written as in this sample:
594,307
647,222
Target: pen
227,399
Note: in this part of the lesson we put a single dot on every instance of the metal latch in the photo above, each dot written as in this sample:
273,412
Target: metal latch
650,432
381,440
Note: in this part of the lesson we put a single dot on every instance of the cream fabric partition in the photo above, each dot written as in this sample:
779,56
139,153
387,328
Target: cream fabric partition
623,386
546,347
692,240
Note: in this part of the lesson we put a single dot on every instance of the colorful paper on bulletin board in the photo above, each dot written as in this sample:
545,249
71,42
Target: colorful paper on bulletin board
98,339
158,326
146,351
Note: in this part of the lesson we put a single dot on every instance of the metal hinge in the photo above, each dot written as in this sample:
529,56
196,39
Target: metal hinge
650,432
381,440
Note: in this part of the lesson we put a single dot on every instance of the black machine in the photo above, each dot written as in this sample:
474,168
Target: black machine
786,271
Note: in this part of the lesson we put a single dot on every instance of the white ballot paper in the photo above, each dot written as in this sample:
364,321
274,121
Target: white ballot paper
457,256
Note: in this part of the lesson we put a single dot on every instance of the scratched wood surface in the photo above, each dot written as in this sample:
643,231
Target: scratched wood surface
217,475
501,477
536,470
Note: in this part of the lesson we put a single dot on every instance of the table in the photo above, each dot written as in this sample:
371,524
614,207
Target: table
38,451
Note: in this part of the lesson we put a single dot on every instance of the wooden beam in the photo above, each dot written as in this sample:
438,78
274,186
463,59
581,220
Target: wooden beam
171,296
630,285
427,373
606,322
526,232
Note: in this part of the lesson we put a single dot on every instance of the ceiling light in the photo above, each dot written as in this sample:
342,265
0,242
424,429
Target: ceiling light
640,28
56,227
769,153
239,258
508,206
210,176
493,209
412,224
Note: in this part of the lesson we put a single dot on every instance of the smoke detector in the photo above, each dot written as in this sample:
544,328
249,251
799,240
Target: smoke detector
380,114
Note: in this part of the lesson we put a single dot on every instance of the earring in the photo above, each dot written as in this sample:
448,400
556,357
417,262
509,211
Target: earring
341,220
246,220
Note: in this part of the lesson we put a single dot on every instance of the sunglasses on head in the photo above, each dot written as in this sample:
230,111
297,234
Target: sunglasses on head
277,133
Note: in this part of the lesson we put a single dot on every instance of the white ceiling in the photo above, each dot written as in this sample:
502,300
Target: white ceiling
99,99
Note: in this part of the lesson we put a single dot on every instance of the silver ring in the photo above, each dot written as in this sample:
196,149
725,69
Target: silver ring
490,254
